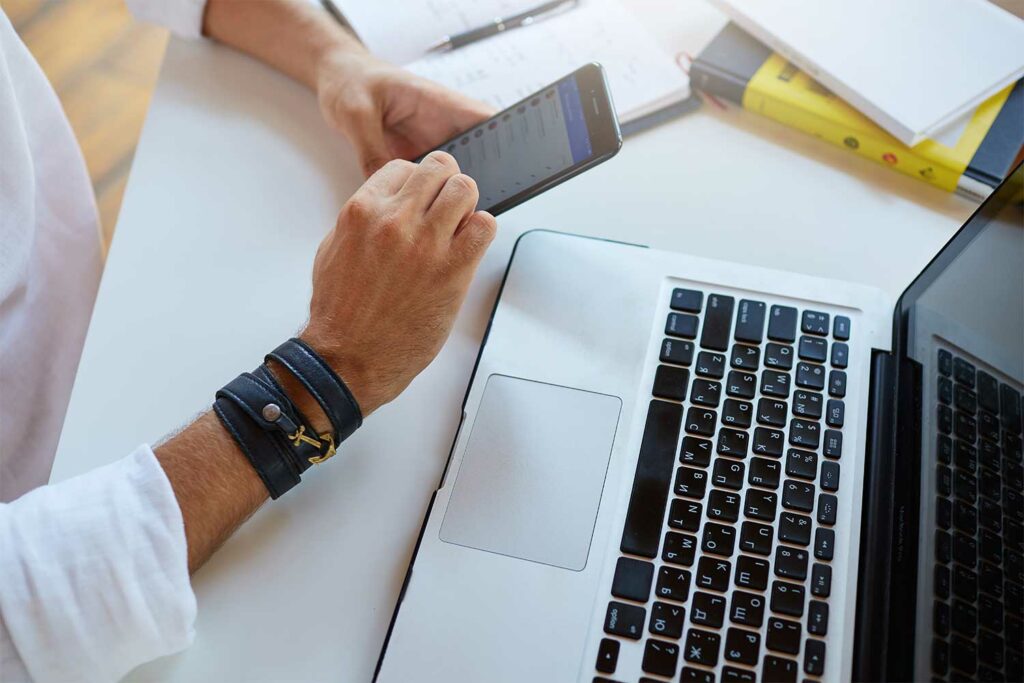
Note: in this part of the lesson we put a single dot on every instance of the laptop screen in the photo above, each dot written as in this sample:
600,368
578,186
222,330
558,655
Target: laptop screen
963,350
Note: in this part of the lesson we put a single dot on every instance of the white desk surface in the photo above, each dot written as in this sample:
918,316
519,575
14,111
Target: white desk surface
235,182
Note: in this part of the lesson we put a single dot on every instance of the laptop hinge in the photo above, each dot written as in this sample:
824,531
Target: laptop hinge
870,634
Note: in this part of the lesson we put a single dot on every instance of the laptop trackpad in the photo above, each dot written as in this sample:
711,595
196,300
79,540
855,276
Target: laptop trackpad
531,479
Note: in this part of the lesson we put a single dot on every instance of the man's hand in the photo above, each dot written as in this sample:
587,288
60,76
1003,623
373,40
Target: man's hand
387,112
390,277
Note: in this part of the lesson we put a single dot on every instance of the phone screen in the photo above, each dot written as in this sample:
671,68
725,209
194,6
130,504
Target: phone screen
518,152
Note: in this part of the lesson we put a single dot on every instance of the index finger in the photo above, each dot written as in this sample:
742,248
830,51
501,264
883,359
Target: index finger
390,177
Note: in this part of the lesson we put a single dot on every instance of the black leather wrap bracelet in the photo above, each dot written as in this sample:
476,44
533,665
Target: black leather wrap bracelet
272,433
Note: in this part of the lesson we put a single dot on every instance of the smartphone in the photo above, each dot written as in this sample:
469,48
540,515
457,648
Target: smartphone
543,140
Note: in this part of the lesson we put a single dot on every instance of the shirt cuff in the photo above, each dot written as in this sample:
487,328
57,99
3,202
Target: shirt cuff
183,17
94,573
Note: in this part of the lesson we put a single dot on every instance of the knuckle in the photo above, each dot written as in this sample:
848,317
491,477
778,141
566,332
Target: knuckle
463,184
357,209
442,160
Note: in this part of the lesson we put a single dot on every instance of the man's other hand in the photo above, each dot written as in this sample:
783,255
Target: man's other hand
387,112
390,277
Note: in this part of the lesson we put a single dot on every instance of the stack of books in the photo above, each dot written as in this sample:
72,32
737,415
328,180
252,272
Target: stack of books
970,155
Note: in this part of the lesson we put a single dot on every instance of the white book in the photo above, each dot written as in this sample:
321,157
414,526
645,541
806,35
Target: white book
912,66
503,69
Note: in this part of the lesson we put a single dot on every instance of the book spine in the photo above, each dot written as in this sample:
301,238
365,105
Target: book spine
860,142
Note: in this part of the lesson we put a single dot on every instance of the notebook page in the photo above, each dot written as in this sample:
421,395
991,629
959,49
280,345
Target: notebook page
507,68
402,30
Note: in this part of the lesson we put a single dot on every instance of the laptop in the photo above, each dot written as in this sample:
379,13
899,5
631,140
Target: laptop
678,469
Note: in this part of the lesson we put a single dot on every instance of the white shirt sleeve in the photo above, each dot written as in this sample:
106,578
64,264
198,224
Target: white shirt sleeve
94,575
183,17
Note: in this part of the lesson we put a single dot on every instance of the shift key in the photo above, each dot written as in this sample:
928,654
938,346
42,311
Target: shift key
717,322
642,533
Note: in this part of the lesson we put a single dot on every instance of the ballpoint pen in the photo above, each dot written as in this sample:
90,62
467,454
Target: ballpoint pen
499,25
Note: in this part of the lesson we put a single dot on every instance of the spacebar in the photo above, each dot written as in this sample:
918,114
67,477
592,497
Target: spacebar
653,477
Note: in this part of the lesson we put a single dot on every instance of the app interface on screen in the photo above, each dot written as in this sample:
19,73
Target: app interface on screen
525,145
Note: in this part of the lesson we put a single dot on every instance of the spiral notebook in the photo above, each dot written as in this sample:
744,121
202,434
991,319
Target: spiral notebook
645,81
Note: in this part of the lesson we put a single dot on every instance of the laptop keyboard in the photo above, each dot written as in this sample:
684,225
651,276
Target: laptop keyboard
979,516
742,447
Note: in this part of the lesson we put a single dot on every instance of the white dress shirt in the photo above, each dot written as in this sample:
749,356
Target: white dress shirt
93,571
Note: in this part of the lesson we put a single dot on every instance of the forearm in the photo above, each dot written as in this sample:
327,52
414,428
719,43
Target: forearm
293,36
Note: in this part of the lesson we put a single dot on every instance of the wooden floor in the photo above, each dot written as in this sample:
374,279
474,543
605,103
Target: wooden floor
103,65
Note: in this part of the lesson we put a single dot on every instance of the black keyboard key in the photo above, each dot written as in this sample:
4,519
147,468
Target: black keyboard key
702,647
625,620
688,300
695,451
673,584
807,404
741,384
963,655
944,419
632,579
965,517
660,658
828,508
751,572
803,464
944,449
988,425
795,529
943,546
732,442
719,539
667,620
965,583
649,497
701,421
814,657
723,506
988,392
670,382
782,324
679,548
778,356
779,670
730,674
1009,408
791,563
788,598
990,578
783,636
841,328
796,495
837,383
965,456
804,433
821,580
774,383
817,618
942,581
965,426
676,351
945,363
835,413
681,325
813,322
756,538
963,372
810,376
965,618
945,390
706,393
710,364
691,675
737,413
728,474
607,656
812,348
940,618
829,476
691,483
760,505
764,472
750,321
964,399
684,514
745,357
943,480
768,442
965,486
742,646
940,657
824,543
747,609
840,355
717,322
771,412
713,573
990,650
707,610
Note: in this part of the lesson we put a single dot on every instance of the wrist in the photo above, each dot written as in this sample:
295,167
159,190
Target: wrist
341,64
357,374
